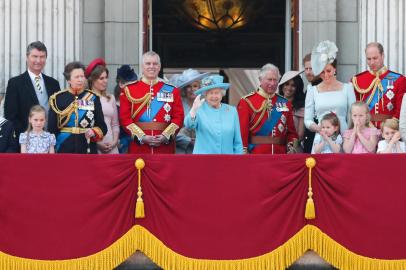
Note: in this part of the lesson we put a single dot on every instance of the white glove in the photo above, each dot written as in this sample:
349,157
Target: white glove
196,105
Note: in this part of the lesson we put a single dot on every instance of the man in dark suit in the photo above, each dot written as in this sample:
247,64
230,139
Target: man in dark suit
8,140
29,89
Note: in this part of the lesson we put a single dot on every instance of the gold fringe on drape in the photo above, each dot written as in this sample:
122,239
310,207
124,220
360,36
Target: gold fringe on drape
139,238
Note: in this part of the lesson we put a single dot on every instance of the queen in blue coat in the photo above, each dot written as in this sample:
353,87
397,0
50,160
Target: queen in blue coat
216,124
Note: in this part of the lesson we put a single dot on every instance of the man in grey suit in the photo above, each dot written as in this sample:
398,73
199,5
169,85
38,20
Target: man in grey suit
29,89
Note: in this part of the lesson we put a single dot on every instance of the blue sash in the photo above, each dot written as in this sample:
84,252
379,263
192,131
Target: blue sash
267,127
156,105
62,136
375,99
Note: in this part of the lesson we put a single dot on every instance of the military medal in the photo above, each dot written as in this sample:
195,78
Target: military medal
85,104
167,117
281,127
167,107
269,107
165,96
390,94
151,92
84,123
90,115
390,86
389,106
283,119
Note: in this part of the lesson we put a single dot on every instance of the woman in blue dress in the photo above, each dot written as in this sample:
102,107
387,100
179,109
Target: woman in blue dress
330,95
216,124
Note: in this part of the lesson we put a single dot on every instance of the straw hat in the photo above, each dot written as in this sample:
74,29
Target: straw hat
289,75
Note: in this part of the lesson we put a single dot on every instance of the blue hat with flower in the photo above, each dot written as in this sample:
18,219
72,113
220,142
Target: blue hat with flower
322,54
175,80
188,76
212,82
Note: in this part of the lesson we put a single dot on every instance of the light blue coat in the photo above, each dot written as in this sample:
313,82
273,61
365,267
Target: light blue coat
217,130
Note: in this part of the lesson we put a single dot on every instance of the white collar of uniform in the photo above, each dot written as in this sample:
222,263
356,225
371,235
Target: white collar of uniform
32,75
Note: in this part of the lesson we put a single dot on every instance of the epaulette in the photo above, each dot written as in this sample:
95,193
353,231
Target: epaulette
285,99
58,93
397,73
130,82
362,73
93,92
248,95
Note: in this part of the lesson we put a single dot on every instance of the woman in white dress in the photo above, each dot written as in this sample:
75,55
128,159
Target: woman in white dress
97,75
330,95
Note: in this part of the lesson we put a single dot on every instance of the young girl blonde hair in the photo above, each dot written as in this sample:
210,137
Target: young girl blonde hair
359,104
34,109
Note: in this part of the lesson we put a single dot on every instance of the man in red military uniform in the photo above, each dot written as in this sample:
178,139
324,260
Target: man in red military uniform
266,118
150,110
379,87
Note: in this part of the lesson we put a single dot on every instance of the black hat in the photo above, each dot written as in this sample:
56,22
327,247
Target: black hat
126,73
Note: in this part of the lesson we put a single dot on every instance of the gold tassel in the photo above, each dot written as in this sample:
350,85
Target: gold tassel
310,212
139,205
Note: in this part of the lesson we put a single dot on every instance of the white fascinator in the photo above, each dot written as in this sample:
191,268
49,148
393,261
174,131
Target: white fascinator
322,54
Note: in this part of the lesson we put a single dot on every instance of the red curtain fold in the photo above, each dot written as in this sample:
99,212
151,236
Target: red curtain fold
224,207
207,207
360,202
64,206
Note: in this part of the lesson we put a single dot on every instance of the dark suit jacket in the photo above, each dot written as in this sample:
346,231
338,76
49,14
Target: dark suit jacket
21,96
8,140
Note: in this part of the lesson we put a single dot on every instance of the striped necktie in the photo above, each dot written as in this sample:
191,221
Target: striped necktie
38,83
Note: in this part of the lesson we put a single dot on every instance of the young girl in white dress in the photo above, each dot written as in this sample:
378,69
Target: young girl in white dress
36,140
330,139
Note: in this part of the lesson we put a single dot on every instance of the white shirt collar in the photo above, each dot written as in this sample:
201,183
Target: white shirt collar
32,75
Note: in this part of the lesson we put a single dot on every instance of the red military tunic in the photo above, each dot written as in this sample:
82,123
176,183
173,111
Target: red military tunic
137,115
382,92
254,111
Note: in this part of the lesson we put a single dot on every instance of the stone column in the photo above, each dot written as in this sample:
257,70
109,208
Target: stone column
111,31
336,21
57,23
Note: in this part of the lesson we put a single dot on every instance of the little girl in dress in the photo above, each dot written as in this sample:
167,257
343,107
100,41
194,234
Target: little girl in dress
360,138
36,140
330,139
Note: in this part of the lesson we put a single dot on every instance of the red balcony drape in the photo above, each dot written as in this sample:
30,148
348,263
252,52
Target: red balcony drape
77,211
